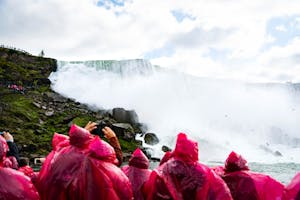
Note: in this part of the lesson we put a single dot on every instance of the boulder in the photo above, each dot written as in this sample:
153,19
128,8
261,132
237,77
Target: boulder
38,105
140,127
165,148
151,139
125,116
124,130
49,113
56,97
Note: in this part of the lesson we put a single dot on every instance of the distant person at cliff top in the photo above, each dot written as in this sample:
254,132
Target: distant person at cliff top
182,177
82,166
14,185
245,184
138,172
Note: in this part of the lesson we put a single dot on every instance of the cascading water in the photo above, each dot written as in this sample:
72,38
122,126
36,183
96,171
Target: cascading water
259,121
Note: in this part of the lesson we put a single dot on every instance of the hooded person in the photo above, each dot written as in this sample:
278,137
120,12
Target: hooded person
13,150
59,142
245,184
292,190
13,161
182,177
138,172
82,166
26,169
14,185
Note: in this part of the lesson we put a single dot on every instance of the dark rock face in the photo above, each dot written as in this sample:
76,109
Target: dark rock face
125,116
151,139
33,115
165,148
23,68
124,131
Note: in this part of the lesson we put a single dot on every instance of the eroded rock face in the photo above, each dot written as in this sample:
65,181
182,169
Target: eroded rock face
124,130
34,113
151,139
18,66
125,116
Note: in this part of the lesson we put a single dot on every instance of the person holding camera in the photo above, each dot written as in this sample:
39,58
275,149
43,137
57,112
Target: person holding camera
109,134
14,185
13,149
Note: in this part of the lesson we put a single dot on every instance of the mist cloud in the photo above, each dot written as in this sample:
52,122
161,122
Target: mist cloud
82,30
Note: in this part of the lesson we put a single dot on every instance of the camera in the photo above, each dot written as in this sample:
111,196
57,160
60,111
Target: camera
98,131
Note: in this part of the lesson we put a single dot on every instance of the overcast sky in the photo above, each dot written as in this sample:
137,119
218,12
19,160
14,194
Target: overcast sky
257,40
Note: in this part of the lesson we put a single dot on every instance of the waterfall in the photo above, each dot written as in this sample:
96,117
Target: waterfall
259,121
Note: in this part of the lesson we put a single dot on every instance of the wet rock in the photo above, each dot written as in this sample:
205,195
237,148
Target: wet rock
44,81
277,153
125,116
124,130
151,139
123,126
139,143
68,119
36,104
56,97
41,121
49,113
140,128
165,148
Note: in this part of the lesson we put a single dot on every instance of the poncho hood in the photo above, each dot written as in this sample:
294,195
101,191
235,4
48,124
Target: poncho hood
139,159
186,149
79,136
235,162
102,150
59,140
3,149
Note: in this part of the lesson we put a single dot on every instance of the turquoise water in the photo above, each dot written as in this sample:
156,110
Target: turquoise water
283,172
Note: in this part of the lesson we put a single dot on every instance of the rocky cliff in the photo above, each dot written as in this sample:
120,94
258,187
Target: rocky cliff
32,112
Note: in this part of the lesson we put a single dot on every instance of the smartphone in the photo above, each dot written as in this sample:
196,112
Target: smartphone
98,130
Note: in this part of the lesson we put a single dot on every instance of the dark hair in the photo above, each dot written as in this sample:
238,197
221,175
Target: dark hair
23,161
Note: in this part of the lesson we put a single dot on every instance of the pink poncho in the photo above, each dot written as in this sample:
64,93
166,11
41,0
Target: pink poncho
181,176
138,173
14,185
292,190
82,167
246,185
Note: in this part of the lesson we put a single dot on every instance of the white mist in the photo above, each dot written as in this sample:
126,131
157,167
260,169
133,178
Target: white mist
253,120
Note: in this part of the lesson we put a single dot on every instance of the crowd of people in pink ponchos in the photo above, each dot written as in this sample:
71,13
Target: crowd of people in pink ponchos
83,166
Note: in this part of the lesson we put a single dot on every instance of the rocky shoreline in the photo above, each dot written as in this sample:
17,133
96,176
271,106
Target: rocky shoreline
34,112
